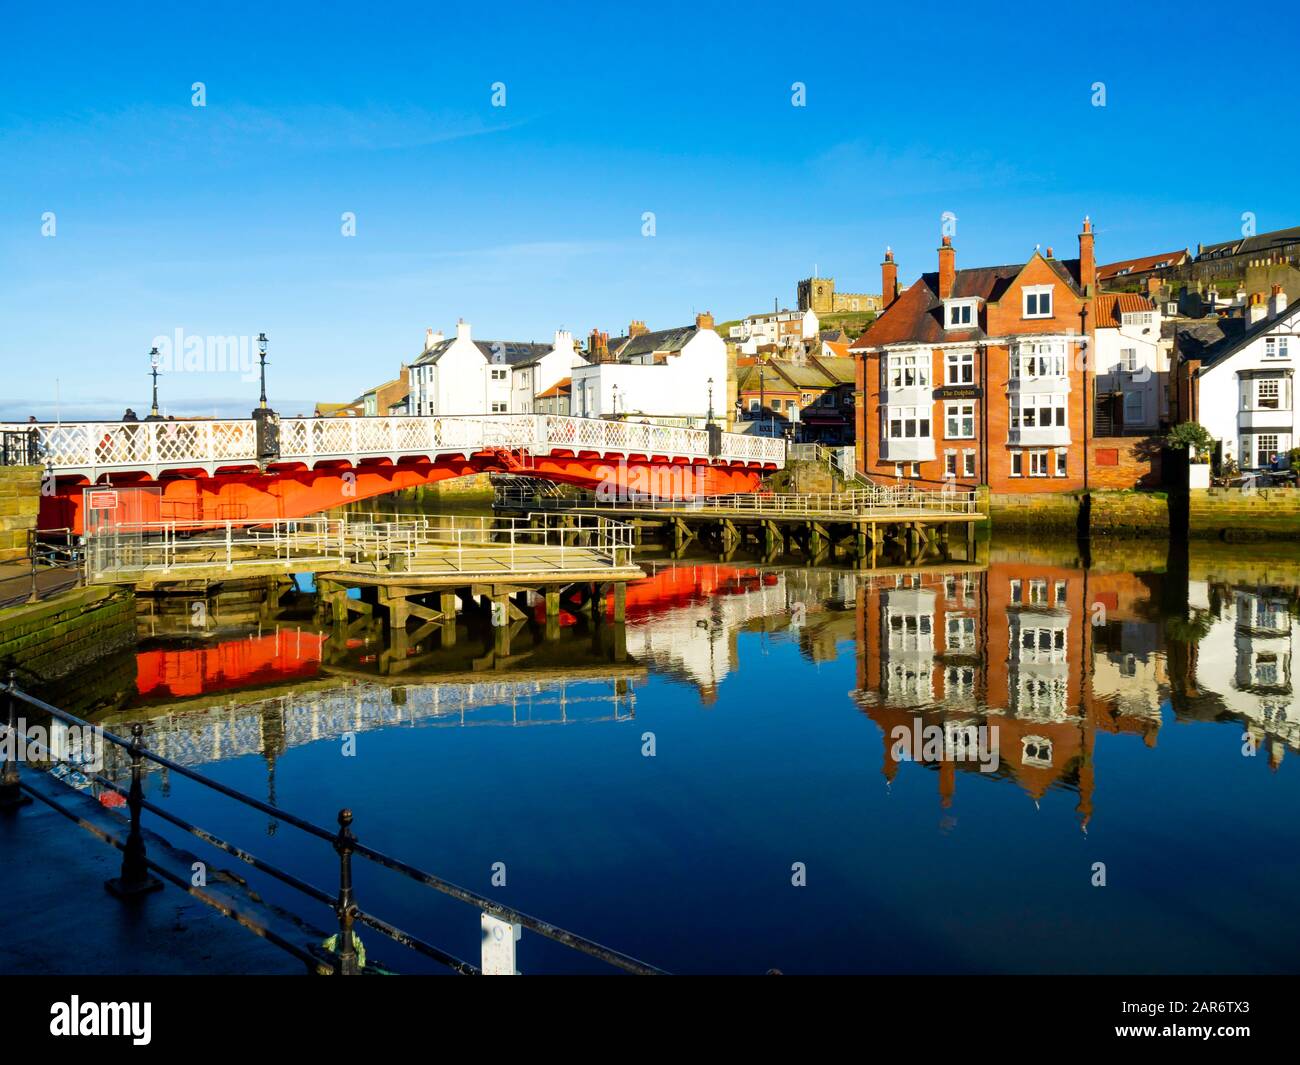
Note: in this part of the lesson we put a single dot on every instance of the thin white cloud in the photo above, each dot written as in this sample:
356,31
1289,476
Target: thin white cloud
146,138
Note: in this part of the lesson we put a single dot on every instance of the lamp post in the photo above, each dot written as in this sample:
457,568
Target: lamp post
762,399
615,401
153,372
265,420
714,431
261,358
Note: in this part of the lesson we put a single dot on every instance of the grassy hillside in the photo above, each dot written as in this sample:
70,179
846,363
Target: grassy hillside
853,324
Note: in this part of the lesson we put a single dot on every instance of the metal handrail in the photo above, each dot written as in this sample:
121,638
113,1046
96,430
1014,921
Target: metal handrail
858,502
343,841
464,541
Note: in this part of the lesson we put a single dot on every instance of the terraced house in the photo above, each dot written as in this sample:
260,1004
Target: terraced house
812,396
976,376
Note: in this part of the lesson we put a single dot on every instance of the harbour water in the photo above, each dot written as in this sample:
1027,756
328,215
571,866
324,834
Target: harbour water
1025,765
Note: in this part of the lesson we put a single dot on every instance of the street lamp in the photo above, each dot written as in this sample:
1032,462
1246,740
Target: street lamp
615,401
265,421
261,358
153,372
710,421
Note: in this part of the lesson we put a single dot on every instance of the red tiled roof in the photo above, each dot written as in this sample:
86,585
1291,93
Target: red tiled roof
917,315
1134,266
1110,305
560,388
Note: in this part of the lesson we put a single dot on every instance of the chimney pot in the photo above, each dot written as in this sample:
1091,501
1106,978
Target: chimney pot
1277,302
704,320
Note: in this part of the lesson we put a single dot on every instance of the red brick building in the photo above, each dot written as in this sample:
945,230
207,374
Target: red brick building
978,375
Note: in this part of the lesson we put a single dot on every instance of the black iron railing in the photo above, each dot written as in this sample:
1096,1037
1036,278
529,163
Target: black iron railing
137,868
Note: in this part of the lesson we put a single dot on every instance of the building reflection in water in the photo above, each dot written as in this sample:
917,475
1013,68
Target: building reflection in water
1042,656
1011,649
1239,662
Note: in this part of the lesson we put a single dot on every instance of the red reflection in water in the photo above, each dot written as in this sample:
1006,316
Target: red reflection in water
675,586
231,664
672,586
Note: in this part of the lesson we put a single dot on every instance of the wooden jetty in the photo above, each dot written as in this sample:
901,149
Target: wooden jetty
860,525
407,570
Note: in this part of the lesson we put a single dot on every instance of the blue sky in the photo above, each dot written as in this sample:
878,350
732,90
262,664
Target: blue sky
225,220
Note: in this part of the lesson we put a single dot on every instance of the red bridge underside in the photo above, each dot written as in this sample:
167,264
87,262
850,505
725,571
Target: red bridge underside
243,495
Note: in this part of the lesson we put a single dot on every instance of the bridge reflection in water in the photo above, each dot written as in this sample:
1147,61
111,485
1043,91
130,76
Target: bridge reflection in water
778,695
1049,653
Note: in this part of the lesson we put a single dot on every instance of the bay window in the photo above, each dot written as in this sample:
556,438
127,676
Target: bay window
1038,358
910,369
907,423
1037,411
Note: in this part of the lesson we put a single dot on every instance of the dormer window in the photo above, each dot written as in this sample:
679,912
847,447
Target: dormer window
959,314
1038,301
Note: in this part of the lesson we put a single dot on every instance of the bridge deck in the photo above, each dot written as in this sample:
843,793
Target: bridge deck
441,552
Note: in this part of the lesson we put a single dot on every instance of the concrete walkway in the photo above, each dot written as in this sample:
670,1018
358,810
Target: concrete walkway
58,919
16,582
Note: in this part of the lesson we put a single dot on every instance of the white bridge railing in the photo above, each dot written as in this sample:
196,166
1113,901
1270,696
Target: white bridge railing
92,448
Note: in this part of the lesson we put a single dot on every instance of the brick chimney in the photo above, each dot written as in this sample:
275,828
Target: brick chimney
1087,259
947,268
1276,302
704,320
598,347
888,279
637,329
1256,309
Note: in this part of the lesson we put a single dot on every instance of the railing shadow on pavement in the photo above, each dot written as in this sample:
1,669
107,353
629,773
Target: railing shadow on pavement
500,925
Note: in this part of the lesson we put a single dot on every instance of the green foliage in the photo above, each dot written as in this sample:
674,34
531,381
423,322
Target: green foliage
1191,435
1191,629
